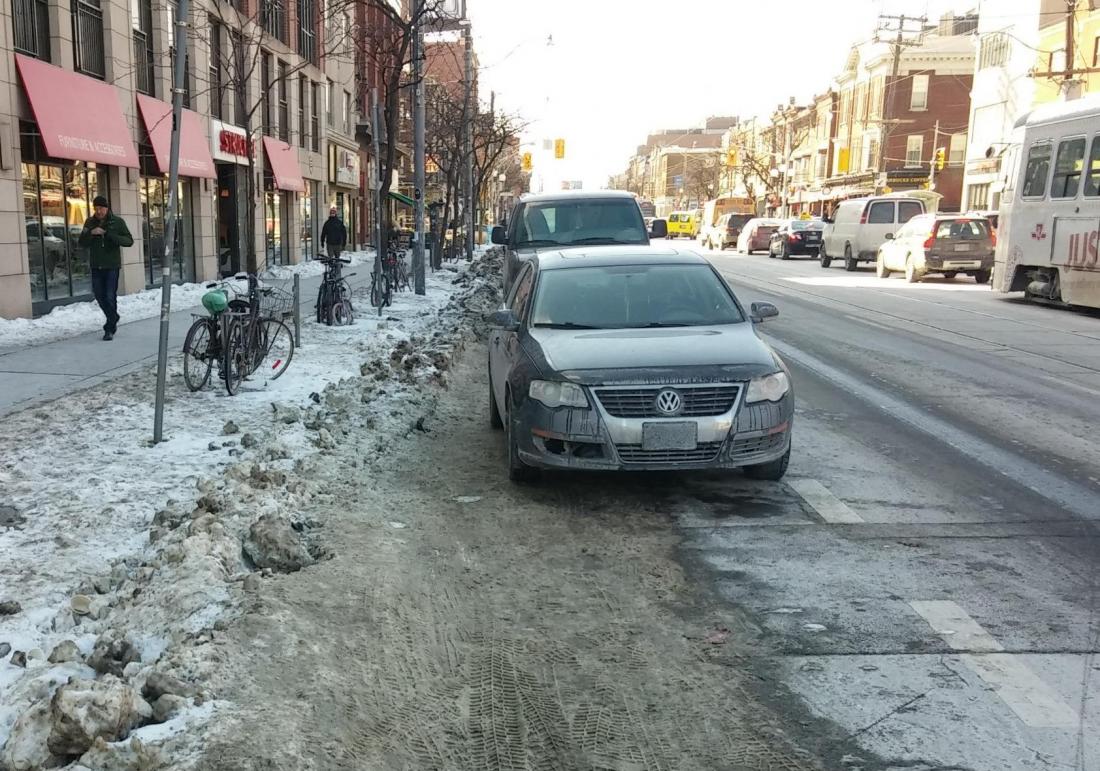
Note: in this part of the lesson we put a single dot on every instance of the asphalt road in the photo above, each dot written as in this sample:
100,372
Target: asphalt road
926,578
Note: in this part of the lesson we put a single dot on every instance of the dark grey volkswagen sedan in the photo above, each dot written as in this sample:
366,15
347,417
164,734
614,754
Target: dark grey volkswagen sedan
635,358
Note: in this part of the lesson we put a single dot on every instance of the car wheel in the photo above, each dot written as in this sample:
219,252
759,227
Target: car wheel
494,411
850,262
949,275
824,258
983,276
911,274
518,471
880,267
772,471
784,252
771,253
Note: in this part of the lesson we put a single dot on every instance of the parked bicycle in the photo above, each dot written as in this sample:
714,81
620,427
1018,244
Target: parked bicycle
241,336
334,295
384,283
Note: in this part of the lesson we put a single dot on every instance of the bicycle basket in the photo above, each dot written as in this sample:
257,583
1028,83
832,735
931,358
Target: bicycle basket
276,303
216,302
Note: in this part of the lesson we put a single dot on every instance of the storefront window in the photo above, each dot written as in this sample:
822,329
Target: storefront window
276,209
57,198
153,191
305,218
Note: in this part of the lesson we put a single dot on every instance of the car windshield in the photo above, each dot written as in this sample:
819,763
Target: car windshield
629,296
611,221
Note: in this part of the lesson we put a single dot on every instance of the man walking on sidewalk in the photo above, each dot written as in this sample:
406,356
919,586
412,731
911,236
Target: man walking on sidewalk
334,234
104,235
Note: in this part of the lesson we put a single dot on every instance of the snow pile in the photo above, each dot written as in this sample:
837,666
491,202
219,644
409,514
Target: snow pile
77,318
127,559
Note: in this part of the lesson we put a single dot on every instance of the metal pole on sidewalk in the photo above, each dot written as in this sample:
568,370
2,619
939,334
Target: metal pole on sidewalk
418,150
471,116
173,208
376,141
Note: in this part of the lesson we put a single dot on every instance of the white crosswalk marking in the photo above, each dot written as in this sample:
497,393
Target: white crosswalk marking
828,506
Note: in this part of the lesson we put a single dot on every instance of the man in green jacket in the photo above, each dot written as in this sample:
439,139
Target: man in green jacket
103,236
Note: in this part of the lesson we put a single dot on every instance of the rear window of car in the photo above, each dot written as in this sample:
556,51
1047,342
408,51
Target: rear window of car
738,220
633,296
805,225
962,230
580,221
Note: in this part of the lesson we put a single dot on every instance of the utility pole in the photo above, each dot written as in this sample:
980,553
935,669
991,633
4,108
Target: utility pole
418,150
1070,85
471,116
935,155
376,141
173,208
899,44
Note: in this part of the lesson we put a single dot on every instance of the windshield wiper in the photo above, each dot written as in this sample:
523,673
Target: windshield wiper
565,325
657,325
537,242
604,240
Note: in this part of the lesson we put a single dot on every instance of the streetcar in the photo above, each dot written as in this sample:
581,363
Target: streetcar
1050,206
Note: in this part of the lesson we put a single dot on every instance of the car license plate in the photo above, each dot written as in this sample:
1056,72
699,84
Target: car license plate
962,247
669,436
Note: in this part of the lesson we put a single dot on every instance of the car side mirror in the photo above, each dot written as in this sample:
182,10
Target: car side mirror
762,311
505,319
659,229
889,236
497,236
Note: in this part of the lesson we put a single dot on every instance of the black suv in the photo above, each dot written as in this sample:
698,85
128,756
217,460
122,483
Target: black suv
571,219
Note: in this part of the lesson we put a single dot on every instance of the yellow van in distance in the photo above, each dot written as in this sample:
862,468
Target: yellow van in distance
683,224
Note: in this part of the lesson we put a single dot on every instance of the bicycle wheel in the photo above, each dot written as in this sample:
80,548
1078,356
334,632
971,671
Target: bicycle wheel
340,314
198,354
387,291
278,348
375,290
234,356
322,302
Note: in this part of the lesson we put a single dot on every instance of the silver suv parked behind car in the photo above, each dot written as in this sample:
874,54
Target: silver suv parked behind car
947,244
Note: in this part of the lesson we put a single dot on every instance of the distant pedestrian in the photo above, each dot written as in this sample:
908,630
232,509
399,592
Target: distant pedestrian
333,234
104,235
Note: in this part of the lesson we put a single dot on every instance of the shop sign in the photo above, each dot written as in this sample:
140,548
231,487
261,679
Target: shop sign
345,166
988,166
230,143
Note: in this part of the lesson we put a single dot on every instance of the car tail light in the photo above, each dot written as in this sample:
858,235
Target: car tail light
794,237
930,241
863,217
993,237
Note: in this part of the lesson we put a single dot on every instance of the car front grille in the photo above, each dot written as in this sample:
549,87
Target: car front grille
751,447
633,453
698,402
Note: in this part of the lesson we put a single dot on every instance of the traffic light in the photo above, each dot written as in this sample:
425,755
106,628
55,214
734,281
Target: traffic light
526,164
559,148
731,156
941,158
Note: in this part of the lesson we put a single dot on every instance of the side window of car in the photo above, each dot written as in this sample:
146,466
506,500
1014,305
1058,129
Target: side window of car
907,210
882,213
522,293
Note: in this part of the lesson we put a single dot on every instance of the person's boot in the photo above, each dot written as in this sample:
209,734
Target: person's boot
108,336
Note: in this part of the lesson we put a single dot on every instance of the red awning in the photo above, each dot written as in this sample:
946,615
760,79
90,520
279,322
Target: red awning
195,158
284,165
79,118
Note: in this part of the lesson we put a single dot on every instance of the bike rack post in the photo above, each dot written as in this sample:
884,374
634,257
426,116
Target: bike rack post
297,311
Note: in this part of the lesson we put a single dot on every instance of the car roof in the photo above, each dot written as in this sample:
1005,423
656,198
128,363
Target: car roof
572,195
638,254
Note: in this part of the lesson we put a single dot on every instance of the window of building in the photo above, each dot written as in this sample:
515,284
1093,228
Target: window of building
1037,171
267,118
956,151
914,149
330,106
276,211
305,215
993,51
216,65
821,171
1068,168
307,30
315,117
238,82
303,95
919,98
274,19
978,197
1092,180
141,16
153,194
347,113
88,55
31,22
284,103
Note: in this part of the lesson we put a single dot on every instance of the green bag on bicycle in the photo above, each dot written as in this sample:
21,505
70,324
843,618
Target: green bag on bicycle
216,302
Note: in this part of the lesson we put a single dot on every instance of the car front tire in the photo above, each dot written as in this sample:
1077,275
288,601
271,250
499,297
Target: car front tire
772,471
518,471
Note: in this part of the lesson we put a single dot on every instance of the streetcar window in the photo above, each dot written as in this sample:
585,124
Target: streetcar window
1037,171
1092,181
1067,169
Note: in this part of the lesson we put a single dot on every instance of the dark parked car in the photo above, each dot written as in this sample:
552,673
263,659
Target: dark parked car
796,237
635,358
571,219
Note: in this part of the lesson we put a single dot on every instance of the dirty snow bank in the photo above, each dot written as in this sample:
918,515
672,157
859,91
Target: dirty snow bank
77,318
127,560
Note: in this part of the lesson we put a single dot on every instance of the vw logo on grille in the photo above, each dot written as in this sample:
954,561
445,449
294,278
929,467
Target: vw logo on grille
668,402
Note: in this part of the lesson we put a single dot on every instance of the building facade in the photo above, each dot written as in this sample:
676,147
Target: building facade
268,139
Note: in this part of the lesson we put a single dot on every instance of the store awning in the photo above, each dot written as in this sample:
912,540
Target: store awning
402,198
283,160
79,118
195,158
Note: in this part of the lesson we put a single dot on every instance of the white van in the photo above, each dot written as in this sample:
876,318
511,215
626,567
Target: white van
859,227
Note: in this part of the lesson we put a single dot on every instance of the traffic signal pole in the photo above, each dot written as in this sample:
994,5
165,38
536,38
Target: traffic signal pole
935,156
418,150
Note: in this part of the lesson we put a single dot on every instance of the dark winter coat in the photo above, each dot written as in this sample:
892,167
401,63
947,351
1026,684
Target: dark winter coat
105,251
334,233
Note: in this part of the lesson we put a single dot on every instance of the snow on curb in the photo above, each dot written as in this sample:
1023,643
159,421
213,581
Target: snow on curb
136,552
77,318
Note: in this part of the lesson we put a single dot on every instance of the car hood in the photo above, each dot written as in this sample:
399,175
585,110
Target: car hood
605,356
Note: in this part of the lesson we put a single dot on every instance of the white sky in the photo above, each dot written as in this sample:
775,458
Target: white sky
619,69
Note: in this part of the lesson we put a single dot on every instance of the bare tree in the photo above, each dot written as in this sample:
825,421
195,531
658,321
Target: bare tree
703,176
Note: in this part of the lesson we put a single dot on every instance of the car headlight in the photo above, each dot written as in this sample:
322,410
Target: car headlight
556,394
770,388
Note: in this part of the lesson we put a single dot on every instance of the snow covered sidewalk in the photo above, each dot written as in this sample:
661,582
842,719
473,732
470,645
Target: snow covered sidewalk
60,353
118,559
